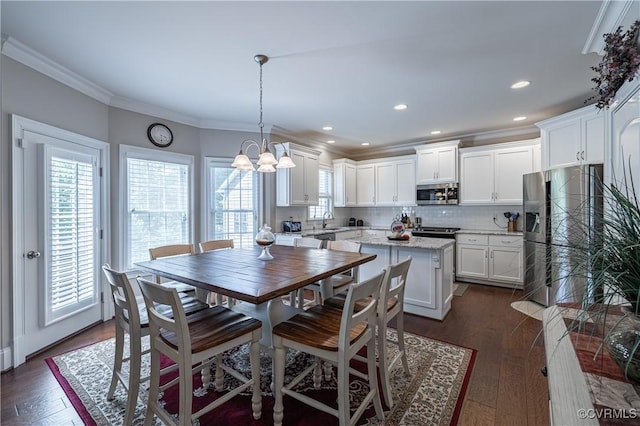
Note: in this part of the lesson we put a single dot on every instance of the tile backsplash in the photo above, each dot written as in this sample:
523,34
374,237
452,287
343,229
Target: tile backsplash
465,217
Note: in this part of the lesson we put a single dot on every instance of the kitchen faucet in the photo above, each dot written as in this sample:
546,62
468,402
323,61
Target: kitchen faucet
324,218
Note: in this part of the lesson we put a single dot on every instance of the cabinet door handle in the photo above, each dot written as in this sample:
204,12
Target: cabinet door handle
506,242
578,155
582,155
485,254
472,239
492,254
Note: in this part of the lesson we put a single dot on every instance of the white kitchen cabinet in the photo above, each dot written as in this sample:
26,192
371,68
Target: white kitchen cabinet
344,178
625,131
437,163
577,137
490,259
493,175
395,182
298,186
365,184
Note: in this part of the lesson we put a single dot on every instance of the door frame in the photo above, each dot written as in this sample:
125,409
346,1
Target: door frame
19,125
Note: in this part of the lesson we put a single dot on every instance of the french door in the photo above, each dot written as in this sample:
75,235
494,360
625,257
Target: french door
58,229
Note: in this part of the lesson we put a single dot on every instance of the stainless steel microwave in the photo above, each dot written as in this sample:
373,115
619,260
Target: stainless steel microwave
441,193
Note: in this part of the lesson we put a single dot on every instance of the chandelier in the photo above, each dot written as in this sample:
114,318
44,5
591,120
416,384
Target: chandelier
266,159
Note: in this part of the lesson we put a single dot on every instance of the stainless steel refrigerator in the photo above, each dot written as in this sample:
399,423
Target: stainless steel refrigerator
562,224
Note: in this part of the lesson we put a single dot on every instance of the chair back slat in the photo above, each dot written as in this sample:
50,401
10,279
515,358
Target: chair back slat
170,250
215,245
344,245
123,295
173,320
393,284
307,242
366,312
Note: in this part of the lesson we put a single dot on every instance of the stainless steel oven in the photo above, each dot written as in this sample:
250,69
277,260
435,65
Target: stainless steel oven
442,193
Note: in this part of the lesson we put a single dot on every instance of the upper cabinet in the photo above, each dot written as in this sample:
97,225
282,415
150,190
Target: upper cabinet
490,175
365,184
345,178
625,138
577,137
437,163
298,186
395,182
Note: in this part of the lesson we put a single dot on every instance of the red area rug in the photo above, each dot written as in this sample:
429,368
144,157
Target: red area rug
431,395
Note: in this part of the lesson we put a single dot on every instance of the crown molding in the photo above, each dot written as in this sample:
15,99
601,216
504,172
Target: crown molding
22,53
610,17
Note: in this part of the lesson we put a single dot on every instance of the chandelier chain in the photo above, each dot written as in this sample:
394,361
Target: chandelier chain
261,124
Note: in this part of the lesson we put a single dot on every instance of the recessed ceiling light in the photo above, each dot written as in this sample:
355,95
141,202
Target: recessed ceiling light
436,132
331,141
400,107
520,84
365,144
327,128
522,117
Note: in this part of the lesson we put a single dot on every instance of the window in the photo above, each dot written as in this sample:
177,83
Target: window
325,194
232,200
157,203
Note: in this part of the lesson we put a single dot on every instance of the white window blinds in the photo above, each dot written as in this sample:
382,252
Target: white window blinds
233,202
325,194
158,205
71,223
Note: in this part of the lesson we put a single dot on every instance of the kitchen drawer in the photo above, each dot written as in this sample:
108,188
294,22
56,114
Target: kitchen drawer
472,239
505,240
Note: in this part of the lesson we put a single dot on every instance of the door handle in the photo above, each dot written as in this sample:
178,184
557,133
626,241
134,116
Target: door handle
582,155
578,155
33,254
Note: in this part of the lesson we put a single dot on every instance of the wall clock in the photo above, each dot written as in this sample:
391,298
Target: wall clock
160,135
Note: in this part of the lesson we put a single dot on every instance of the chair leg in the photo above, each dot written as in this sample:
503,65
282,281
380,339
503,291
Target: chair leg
154,388
401,348
117,362
373,377
278,380
135,361
344,412
256,399
185,384
219,380
383,361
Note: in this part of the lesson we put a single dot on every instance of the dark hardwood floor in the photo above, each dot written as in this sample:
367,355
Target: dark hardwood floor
506,387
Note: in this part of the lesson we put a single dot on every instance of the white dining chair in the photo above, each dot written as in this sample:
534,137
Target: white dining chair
335,336
194,344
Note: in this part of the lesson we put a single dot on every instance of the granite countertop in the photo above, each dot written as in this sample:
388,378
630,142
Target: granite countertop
414,242
489,232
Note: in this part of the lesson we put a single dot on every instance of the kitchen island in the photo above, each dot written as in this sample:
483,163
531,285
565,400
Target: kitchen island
429,288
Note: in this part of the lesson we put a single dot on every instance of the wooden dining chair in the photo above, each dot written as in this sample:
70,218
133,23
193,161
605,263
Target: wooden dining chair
335,284
299,294
172,250
333,335
194,344
218,245
131,318
390,306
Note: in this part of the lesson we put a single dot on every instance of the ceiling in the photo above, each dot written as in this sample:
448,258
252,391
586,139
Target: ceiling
343,64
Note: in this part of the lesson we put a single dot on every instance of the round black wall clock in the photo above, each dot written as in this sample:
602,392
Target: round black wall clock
160,135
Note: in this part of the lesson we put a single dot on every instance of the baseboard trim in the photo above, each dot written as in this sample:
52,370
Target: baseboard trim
5,359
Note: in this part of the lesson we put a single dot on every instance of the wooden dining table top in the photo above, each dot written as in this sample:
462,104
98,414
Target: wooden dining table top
238,272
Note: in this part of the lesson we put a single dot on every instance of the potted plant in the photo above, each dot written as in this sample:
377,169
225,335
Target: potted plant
619,64
610,265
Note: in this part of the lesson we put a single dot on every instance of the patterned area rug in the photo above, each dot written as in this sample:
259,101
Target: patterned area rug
431,395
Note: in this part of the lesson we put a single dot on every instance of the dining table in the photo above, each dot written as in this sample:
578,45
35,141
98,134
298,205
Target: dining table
260,284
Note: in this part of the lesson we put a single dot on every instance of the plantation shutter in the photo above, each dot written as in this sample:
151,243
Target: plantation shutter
71,224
